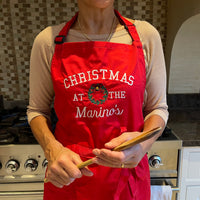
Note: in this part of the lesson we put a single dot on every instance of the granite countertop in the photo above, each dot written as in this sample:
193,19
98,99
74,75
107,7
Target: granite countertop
186,125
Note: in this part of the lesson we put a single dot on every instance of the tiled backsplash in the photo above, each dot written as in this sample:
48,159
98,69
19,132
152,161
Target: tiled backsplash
22,20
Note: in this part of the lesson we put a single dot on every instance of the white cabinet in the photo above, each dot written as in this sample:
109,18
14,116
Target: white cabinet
193,193
189,180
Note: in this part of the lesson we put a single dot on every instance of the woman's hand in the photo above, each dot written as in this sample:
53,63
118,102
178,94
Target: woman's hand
128,158
62,166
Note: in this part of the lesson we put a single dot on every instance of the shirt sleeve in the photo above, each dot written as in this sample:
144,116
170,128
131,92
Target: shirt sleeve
155,102
41,91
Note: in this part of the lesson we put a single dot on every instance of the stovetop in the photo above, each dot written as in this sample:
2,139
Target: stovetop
168,134
14,127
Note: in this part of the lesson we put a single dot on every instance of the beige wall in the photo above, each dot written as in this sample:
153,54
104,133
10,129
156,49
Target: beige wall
178,12
184,73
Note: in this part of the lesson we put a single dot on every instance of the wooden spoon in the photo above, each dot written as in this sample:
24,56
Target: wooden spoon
141,138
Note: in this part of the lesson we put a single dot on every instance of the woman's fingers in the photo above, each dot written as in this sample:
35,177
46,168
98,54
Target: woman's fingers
86,172
129,157
109,158
64,170
58,176
58,180
56,183
102,162
121,139
117,141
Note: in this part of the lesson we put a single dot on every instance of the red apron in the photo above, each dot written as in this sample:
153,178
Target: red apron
99,88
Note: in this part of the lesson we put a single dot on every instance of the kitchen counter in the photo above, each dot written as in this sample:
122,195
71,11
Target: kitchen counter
186,125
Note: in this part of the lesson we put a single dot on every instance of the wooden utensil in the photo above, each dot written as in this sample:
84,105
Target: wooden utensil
141,138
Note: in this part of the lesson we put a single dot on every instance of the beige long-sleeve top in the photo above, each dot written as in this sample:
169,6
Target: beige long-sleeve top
41,87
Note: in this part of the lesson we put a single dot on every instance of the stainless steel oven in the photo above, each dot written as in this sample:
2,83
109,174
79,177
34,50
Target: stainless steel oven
22,162
22,172
164,161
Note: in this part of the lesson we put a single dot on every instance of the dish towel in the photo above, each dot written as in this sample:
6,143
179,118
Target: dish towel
162,192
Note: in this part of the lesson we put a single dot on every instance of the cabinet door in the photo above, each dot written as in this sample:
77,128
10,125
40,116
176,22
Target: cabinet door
193,165
189,177
193,193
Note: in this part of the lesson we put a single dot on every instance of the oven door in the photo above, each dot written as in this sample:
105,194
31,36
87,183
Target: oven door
22,191
172,182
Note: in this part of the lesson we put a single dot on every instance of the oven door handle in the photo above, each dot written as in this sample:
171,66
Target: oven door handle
175,189
168,182
27,193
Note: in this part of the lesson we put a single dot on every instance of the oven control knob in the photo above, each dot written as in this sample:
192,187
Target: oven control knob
45,163
12,166
31,165
155,161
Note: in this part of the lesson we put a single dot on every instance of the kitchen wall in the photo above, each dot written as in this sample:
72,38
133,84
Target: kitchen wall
184,76
22,20
183,46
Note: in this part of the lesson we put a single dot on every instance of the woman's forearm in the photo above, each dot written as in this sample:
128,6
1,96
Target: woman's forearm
152,122
40,127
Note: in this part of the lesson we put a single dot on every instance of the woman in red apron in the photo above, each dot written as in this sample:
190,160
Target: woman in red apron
99,88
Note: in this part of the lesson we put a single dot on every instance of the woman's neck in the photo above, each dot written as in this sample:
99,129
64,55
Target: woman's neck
96,20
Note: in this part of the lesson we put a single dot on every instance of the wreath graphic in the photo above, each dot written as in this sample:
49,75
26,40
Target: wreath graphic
97,94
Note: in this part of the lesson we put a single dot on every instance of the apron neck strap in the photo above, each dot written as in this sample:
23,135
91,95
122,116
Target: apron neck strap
63,33
129,26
